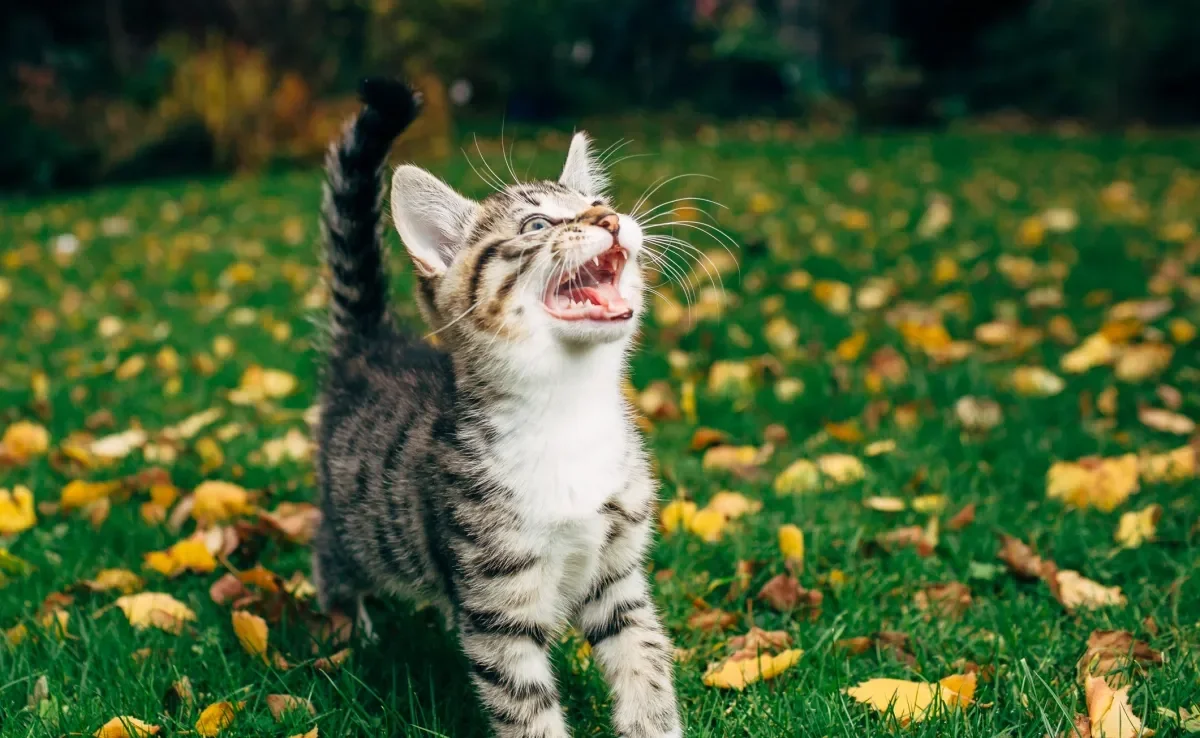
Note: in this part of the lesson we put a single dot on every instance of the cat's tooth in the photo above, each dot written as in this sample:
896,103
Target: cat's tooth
596,261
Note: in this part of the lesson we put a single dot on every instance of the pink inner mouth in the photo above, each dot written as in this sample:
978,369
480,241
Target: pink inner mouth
590,292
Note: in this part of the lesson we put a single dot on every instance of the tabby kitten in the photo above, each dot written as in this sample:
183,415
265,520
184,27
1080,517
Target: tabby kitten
502,477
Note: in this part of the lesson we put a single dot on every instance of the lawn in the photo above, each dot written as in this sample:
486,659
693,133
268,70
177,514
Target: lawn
878,282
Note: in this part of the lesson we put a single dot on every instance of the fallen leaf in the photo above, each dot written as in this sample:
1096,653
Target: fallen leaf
310,734
730,378
16,510
258,384
924,539
1143,361
731,674
791,545
217,717
733,505
79,493
1103,483
705,438
800,476
214,501
1110,713
251,632
281,704
949,600
156,609
711,618
187,555
1037,381
1173,466
962,518
1166,421
885,504
333,662
1113,654
22,441
708,524
915,701
785,594
296,521
1096,350
126,727
117,446
978,413
841,468
676,514
119,579
757,640
735,457
1075,590
657,401
1135,528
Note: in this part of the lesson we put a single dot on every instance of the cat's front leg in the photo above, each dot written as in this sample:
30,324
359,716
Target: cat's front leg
635,654
511,669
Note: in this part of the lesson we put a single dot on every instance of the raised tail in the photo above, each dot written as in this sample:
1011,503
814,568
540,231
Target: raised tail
350,210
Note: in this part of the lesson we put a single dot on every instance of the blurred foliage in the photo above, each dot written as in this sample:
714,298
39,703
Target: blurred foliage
117,89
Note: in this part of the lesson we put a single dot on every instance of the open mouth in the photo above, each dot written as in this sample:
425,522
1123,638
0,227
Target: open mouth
590,292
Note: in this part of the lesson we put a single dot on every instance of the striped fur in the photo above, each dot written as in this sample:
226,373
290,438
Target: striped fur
501,478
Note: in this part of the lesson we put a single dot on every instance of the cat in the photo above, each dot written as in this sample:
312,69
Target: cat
502,476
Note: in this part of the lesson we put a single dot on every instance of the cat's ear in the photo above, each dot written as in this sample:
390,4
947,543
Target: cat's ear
583,171
431,217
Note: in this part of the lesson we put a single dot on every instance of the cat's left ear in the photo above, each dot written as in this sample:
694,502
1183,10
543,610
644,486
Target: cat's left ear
583,171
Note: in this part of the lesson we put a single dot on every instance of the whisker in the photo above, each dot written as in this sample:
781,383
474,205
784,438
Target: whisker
659,185
483,159
480,174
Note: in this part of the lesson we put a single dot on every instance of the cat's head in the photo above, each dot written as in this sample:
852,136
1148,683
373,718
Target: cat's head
543,266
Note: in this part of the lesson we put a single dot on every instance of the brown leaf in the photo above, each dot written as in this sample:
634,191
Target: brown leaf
949,600
295,521
281,704
333,662
1166,421
962,518
705,438
757,640
924,539
1113,654
1023,561
226,589
712,619
785,594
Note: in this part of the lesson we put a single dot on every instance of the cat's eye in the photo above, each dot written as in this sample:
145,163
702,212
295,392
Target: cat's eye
536,223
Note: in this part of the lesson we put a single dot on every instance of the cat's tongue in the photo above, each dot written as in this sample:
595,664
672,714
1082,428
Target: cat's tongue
609,297
595,302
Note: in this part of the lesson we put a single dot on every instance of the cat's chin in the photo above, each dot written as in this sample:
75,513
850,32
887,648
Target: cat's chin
584,333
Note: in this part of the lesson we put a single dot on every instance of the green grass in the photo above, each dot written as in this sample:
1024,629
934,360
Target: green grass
163,279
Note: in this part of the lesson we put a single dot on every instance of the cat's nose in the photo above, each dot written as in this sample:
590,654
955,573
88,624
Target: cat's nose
601,216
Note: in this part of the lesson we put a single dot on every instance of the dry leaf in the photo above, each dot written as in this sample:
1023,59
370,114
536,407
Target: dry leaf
1075,590
78,493
1135,528
310,734
117,446
1096,350
1110,713
924,539
735,457
676,514
708,524
1166,421
707,618
1037,381
126,727
187,555
333,662
1173,466
949,600
281,704
978,413
885,504
217,717
1103,483
785,594
915,701
791,545
705,438
156,609
1112,654
800,476
962,518
1143,361
16,510
120,579
1022,561
731,674
214,501
251,632
296,521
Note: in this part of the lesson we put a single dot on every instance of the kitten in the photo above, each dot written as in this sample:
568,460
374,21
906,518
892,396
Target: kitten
503,477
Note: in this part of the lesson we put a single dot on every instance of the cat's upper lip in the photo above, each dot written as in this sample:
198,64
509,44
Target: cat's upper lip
591,291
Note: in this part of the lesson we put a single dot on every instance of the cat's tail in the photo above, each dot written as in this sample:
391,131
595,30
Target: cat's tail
350,211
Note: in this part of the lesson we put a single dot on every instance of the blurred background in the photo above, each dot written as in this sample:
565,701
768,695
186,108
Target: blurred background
118,90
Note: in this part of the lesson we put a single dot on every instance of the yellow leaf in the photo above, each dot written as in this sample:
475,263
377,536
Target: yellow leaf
1076,590
929,503
945,270
1181,330
22,441
251,632
16,510
732,457
799,477
913,701
788,389
884,504
708,525
211,456
733,505
216,501
841,468
1135,528
216,717
856,220
79,493
1172,466
1100,483
130,368
126,727
791,544
188,555
1037,381
281,704
850,348
1096,350
879,448
835,296
1143,361
731,674
781,334
730,377
1110,713
117,446
258,384
675,514
119,579
156,609
310,734
1031,232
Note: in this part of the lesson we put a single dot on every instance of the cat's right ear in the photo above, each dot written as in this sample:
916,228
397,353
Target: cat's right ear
431,217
